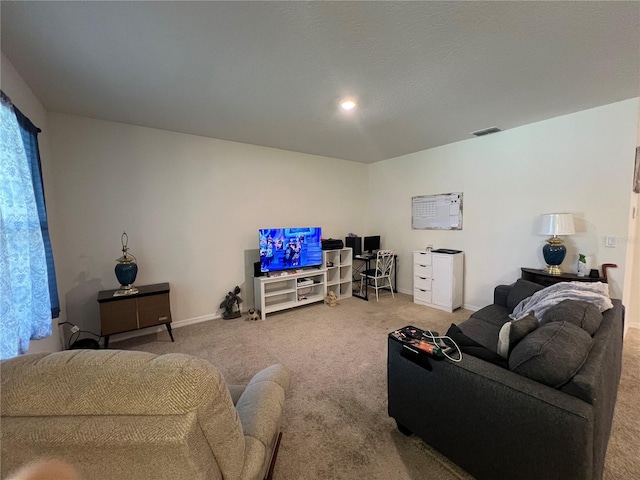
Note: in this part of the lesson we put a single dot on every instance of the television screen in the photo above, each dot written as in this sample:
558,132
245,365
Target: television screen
287,248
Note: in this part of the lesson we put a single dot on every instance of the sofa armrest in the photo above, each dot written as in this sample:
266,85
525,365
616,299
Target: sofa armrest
500,294
492,422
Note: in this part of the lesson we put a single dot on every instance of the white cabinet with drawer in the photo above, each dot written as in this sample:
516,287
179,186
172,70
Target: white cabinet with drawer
437,279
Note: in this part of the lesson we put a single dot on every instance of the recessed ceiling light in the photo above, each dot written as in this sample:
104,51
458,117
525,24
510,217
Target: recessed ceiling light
348,104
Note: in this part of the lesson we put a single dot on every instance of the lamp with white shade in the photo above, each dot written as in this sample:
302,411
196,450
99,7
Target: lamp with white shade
554,251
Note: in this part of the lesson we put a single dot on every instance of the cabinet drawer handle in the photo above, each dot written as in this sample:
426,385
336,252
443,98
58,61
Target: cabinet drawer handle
163,318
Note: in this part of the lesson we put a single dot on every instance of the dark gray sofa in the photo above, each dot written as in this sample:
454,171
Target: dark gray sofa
498,424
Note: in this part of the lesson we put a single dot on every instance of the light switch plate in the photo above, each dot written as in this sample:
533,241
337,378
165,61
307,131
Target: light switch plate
610,241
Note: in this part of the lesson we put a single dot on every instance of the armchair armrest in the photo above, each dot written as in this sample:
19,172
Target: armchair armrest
260,405
260,408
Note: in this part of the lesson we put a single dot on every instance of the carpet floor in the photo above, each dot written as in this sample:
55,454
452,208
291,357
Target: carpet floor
335,424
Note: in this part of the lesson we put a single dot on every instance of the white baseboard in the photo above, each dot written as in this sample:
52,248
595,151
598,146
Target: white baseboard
161,328
473,308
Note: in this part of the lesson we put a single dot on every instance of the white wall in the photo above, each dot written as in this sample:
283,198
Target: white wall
578,163
23,98
191,206
633,304
633,311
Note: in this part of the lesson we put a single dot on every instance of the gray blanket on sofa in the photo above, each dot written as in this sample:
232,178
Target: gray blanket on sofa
538,303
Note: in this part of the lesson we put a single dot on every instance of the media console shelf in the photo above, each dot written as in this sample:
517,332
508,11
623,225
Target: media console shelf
282,290
339,266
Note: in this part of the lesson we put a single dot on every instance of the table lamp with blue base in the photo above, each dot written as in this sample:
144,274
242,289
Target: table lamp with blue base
554,251
126,270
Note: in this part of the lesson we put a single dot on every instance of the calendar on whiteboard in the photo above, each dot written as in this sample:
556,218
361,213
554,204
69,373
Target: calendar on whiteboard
442,211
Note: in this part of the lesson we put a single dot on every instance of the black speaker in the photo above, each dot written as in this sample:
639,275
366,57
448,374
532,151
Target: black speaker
257,272
355,243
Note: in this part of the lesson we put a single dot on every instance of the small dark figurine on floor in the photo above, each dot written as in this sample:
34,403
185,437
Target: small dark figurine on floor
232,299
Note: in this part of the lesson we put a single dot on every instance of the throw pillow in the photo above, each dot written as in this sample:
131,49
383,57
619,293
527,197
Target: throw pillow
583,314
552,354
519,291
512,332
471,347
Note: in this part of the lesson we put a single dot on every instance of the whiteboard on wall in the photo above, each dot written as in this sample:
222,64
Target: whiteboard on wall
437,212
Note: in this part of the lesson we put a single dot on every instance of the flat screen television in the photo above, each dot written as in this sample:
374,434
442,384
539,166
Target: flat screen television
289,248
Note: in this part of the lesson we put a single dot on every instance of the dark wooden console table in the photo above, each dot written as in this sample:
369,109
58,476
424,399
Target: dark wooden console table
543,278
147,308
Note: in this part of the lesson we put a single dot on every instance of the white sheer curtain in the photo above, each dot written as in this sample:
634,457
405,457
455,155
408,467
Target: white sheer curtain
25,309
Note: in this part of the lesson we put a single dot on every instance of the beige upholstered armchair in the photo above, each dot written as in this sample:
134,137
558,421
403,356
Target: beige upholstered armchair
135,415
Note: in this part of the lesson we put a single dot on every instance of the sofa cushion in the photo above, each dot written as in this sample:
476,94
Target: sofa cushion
494,314
551,354
481,331
471,347
521,289
512,332
583,314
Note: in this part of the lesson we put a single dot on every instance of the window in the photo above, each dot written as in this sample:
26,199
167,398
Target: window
28,290
29,134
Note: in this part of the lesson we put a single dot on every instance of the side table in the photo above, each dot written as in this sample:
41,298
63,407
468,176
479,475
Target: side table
544,278
147,308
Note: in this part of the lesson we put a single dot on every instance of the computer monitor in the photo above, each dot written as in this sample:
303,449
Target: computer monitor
371,243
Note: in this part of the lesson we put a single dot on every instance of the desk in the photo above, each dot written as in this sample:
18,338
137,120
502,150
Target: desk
365,264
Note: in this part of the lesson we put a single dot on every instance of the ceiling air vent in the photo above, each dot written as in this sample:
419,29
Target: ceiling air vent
486,131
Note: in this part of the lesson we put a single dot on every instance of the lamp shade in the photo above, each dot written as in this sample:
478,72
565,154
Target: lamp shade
557,224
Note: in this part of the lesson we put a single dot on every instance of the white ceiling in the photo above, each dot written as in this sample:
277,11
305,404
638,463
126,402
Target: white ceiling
271,73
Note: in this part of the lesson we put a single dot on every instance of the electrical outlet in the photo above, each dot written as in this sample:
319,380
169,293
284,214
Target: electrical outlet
610,241
75,329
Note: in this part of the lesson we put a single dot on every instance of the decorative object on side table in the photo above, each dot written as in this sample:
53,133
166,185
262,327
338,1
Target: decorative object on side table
126,269
231,304
582,265
554,251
